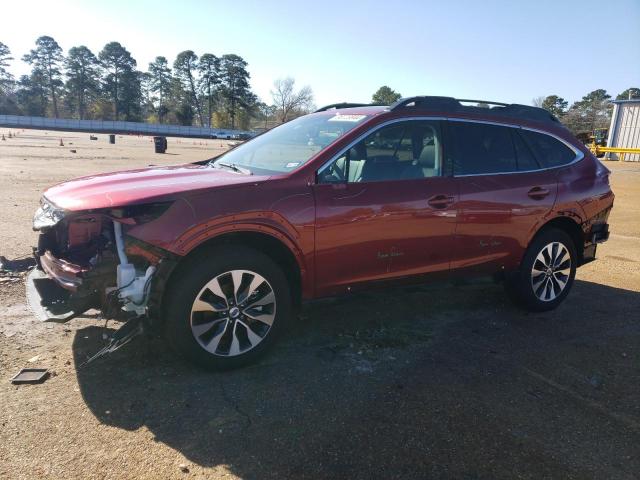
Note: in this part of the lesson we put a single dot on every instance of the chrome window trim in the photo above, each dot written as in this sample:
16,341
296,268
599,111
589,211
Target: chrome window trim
487,122
579,154
326,164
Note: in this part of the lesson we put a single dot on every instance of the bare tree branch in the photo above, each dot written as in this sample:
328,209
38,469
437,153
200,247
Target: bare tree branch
287,101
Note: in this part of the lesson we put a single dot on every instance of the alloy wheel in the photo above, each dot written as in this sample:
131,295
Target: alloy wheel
233,313
550,272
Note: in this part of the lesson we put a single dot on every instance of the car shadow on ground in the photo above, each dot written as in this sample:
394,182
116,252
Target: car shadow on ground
427,382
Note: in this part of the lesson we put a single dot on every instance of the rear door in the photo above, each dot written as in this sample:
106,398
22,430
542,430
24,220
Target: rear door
504,194
383,209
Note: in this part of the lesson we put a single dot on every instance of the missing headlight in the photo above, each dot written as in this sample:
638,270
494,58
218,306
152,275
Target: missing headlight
141,213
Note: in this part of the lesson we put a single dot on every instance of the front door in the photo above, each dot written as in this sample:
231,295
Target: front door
383,209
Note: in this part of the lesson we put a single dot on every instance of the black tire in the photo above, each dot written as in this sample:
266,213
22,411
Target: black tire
189,281
520,286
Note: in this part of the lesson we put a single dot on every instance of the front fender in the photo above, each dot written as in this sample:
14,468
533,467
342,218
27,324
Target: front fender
210,231
206,231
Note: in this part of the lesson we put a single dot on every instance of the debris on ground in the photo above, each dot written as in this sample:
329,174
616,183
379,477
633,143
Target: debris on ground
9,279
127,332
17,265
30,376
12,271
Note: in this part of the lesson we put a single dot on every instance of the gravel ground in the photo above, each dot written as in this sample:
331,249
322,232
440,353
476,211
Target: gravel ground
432,382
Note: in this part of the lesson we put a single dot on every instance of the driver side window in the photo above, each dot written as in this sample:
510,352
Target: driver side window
401,151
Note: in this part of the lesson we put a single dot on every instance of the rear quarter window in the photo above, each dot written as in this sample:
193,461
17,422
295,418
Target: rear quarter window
526,160
549,151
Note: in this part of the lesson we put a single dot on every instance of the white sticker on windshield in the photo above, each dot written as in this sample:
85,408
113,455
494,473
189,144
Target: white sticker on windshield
292,164
347,118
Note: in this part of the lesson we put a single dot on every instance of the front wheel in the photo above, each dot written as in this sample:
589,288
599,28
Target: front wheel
226,307
547,272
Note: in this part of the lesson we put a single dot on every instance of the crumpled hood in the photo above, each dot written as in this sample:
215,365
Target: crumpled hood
137,186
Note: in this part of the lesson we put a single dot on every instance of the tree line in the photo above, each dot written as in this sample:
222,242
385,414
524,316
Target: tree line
587,114
206,90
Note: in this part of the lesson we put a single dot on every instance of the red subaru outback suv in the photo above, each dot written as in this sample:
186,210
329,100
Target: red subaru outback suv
219,254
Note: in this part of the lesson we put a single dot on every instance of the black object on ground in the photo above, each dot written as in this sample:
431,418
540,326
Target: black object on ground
112,138
30,375
160,144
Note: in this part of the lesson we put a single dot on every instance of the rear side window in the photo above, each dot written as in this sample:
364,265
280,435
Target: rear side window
524,155
549,151
480,148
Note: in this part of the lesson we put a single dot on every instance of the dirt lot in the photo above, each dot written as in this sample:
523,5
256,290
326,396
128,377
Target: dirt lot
432,382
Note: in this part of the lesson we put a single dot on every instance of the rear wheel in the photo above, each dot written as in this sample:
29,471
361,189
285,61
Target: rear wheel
226,308
547,272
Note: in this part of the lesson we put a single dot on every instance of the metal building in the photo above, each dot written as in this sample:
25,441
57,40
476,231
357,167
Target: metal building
624,131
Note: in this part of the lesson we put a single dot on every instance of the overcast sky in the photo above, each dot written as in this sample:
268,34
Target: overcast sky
509,51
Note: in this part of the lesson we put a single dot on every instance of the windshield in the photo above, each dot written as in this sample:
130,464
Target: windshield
290,145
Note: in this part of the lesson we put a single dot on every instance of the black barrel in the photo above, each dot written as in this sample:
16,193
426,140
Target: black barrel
160,143
112,138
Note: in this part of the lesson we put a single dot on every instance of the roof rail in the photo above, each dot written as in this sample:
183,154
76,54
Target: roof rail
431,103
450,104
335,106
483,102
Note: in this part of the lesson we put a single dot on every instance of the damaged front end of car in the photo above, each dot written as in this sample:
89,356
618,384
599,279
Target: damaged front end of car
85,260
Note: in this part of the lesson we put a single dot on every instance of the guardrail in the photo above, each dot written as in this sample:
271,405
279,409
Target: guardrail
597,150
107,126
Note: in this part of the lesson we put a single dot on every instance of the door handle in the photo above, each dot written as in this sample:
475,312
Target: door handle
440,201
538,193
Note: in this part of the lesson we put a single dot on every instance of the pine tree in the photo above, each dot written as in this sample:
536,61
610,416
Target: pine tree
83,79
185,67
160,84
120,80
47,59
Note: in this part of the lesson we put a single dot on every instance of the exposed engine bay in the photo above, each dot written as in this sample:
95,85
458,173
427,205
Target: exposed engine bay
86,261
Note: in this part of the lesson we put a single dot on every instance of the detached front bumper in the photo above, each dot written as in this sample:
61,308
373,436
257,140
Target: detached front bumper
56,289
49,301
66,274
